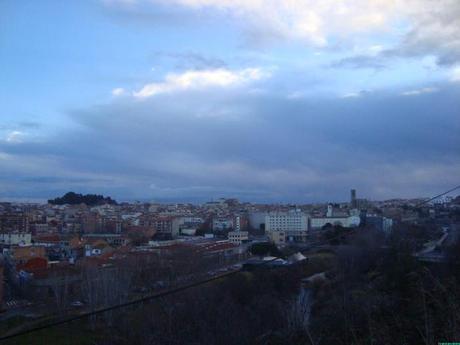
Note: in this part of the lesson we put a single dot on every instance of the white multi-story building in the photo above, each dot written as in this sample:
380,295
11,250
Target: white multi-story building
18,238
290,226
237,224
238,237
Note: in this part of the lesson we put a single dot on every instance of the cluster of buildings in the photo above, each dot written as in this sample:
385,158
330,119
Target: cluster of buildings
80,230
38,238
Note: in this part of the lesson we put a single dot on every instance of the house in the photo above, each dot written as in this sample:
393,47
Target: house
48,240
166,227
95,247
32,265
23,254
14,222
112,239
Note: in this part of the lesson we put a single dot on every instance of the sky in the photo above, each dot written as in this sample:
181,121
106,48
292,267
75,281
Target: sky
263,100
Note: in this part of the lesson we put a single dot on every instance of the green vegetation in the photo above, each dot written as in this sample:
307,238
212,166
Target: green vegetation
381,294
72,198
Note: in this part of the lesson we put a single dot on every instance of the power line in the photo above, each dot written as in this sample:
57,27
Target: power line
437,196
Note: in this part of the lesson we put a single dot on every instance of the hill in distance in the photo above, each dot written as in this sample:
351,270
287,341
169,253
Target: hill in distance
72,198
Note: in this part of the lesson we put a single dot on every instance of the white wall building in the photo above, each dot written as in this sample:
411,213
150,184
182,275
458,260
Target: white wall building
290,226
237,224
16,239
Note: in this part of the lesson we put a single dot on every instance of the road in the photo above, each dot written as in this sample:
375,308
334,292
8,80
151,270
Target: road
435,251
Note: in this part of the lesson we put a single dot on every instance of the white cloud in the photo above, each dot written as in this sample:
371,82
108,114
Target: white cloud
299,94
455,74
309,20
119,91
435,31
420,91
375,50
423,27
351,95
356,94
201,79
15,137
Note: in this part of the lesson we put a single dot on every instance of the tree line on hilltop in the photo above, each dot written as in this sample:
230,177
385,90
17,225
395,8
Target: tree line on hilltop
72,198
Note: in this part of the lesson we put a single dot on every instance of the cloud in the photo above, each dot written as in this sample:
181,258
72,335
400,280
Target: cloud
434,30
455,74
264,148
355,94
119,91
415,28
194,80
420,91
267,20
209,125
14,137
305,20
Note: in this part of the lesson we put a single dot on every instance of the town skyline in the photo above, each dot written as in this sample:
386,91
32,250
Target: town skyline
445,196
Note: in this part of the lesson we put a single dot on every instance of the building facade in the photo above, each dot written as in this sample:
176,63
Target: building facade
346,222
238,237
16,239
287,227
14,222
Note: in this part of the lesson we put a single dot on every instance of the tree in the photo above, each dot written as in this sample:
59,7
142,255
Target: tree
335,234
72,198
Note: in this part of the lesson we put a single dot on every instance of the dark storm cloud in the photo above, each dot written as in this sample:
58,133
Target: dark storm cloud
259,147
